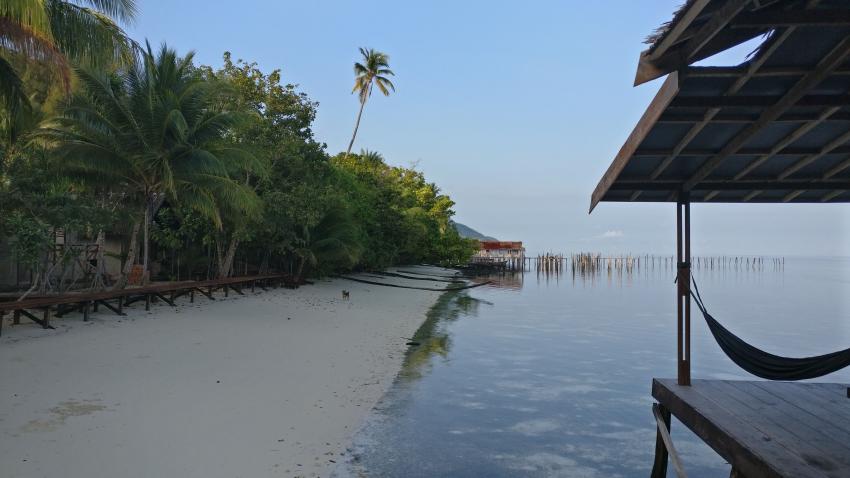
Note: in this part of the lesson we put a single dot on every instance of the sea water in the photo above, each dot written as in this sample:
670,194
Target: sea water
549,374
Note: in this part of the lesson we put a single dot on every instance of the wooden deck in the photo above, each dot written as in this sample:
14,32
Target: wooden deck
766,429
166,292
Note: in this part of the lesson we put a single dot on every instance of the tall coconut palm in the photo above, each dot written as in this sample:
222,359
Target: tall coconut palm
56,32
153,131
374,70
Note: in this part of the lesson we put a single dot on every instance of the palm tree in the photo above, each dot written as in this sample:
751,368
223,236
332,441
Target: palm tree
373,71
333,243
56,32
153,131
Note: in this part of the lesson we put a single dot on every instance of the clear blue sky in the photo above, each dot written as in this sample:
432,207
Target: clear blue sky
514,109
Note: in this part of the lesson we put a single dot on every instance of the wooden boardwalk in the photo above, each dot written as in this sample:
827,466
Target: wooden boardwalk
116,300
766,429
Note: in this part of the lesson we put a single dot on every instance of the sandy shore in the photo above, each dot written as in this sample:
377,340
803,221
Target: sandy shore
272,384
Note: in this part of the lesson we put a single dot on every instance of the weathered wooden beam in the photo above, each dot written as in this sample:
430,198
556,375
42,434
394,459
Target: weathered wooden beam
732,118
653,64
752,195
758,101
733,89
111,307
674,34
792,18
164,299
793,195
832,195
789,151
831,61
721,18
44,323
662,99
646,69
728,185
662,420
787,140
829,148
734,71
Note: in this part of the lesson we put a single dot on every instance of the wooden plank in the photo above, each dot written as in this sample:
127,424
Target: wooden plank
749,450
824,416
790,151
782,422
735,71
757,101
795,18
829,148
675,32
655,64
662,99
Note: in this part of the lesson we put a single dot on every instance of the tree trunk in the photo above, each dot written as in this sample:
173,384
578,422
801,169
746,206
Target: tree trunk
131,257
300,269
225,265
356,127
98,282
146,240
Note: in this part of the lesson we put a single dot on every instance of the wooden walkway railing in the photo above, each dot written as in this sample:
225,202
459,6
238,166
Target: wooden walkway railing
86,302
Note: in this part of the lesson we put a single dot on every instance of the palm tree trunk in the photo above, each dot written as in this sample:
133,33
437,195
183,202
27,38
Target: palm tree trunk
356,127
147,243
131,256
227,264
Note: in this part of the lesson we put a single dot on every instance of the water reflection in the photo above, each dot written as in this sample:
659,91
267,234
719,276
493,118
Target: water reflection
432,337
549,375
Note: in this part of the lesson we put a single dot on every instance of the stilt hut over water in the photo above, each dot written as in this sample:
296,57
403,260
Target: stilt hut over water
774,129
509,253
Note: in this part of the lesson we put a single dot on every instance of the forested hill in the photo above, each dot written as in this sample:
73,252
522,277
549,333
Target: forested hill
470,233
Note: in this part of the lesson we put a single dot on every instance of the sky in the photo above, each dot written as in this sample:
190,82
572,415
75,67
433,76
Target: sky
514,109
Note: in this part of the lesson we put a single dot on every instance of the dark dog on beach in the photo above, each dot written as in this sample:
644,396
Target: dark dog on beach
346,295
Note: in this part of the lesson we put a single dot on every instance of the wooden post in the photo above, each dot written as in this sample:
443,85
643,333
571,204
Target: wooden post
683,292
659,466
147,302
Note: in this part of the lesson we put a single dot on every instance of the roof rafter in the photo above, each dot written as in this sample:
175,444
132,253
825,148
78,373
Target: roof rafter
831,61
711,113
789,18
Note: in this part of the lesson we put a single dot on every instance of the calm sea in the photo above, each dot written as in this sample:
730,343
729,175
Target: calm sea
549,374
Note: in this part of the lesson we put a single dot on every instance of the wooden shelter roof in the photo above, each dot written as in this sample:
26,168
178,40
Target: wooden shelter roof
773,129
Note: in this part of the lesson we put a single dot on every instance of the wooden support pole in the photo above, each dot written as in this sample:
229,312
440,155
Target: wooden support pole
659,466
109,306
665,441
683,289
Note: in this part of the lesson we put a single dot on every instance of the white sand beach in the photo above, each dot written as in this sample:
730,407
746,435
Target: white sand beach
271,384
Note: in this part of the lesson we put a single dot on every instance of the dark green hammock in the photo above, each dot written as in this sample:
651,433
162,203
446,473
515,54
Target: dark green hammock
766,365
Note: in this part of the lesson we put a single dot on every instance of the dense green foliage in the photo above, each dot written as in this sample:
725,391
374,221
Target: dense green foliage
198,172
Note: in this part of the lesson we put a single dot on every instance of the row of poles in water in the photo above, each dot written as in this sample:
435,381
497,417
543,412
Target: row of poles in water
593,262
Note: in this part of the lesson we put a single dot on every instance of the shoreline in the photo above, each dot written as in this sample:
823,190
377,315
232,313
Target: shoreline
272,384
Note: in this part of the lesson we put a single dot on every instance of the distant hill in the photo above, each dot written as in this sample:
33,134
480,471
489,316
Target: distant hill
470,233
